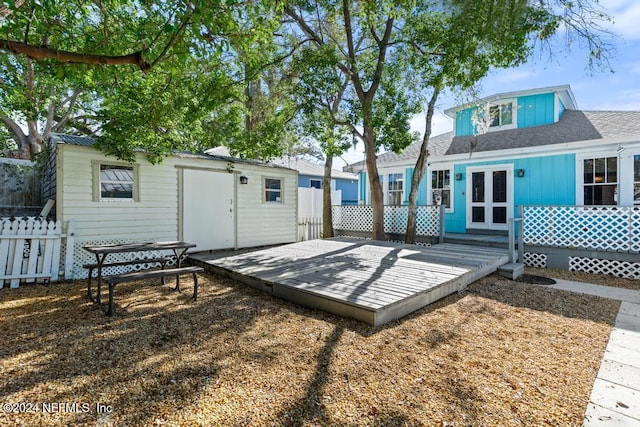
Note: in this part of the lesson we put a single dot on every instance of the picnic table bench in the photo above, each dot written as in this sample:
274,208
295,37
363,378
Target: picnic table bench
102,251
112,281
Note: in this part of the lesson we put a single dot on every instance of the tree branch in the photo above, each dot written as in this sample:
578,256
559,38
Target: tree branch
352,71
382,46
43,52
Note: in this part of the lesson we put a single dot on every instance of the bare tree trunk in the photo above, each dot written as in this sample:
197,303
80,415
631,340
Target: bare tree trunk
419,170
377,201
327,219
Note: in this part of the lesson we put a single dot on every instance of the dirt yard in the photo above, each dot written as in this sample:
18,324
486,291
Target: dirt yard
502,353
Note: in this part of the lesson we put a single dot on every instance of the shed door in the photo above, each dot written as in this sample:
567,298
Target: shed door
208,209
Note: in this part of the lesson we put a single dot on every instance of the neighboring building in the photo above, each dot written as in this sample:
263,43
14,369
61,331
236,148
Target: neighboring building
214,201
311,175
539,150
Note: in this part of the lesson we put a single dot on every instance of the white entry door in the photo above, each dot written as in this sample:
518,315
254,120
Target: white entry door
208,209
489,197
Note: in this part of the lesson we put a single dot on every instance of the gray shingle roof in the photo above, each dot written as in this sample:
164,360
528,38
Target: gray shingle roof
61,138
72,139
572,126
312,169
438,145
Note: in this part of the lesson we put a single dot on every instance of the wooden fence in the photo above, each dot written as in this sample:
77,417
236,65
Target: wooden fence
30,251
309,228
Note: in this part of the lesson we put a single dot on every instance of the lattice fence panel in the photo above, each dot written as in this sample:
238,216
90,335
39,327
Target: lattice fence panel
428,221
360,218
634,231
532,259
395,219
352,218
82,257
585,227
626,269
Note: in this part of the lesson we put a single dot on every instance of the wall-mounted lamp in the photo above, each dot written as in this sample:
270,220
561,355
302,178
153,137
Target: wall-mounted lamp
244,179
520,173
458,176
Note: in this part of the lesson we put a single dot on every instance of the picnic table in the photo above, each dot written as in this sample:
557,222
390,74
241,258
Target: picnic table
101,252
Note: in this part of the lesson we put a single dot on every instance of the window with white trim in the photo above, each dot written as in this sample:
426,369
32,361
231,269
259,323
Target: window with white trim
441,187
396,191
273,190
501,114
315,183
636,179
115,182
600,182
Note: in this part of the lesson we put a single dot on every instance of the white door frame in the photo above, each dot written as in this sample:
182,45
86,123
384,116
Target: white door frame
209,193
488,204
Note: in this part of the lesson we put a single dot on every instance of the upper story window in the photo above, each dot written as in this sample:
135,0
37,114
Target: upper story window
272,190
115,182
501,115
396,192
600,180
441,187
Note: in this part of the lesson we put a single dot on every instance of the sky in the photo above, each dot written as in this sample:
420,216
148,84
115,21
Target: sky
599,90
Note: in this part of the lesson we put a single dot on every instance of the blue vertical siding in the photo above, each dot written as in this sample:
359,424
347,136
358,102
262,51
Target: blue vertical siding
422,189
463,122
548,180
536,110
408,177
362,191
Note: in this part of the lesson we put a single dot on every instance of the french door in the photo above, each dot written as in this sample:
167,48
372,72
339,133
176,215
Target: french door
489,197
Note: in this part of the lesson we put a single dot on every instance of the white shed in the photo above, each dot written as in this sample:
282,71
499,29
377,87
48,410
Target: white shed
214,201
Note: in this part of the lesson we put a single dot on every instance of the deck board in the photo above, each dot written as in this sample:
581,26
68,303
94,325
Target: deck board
372,281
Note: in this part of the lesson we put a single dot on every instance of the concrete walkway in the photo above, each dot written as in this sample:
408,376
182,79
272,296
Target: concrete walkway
615,398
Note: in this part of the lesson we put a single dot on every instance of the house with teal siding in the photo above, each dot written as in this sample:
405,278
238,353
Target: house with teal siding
537,148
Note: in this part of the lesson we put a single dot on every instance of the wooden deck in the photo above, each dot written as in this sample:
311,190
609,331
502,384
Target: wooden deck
372,281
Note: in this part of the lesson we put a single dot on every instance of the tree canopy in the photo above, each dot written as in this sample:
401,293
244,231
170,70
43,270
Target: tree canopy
154,74
258,76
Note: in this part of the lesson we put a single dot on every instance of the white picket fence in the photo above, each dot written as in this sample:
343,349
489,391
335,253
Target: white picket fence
30,250
309,228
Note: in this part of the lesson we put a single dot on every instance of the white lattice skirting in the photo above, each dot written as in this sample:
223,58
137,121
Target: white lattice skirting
82,257
625,269
532,259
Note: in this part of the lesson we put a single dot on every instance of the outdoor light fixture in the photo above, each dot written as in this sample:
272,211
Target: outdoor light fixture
520,173
458,176
244,179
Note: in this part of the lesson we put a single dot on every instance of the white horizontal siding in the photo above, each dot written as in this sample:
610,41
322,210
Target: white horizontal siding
156,215
262,223
153,217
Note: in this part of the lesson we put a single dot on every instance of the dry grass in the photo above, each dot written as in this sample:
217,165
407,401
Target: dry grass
502,353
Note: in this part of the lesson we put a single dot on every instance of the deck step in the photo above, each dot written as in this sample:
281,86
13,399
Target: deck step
512,270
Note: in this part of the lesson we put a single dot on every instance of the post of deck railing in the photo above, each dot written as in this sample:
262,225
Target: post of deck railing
511,239
441,219
521,234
